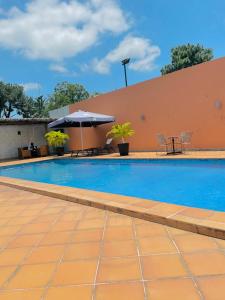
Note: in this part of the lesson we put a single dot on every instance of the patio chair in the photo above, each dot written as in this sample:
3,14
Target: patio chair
43,150
185,139
24,153
83,152
162,142
107,148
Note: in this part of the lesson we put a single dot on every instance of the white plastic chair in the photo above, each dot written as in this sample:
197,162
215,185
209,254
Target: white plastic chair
109,141
185,139
162,141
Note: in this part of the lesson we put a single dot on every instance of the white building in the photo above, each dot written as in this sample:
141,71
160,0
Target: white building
17,133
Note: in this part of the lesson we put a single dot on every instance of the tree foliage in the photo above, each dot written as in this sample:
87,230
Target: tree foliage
66,93
11,98
186,56
40,107
14,101
33,107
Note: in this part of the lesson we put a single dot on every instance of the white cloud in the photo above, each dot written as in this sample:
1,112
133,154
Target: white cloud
58,29
59,68
141,51
31,86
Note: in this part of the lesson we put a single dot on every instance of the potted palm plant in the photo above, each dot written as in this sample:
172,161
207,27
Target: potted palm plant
57,139
122,131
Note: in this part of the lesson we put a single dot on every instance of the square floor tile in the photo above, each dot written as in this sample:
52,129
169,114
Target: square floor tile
213,287
35,228
174,289
70,216
119,233
9,230
45,218
13,256
156,244
166,209
22,295
75,207
67,293
76,272
25,240
117,269
30,213
176,231
218,217
31,276
195,242
150,229
162,266
206,263
196,213
63,226
131,291
4,221
4,240
91,223
45,254
221,243
54,238
82,251
95,213
10,214
5,273
52,210
119,221
119,248
88,235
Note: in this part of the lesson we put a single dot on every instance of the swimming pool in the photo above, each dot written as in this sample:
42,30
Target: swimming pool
192,182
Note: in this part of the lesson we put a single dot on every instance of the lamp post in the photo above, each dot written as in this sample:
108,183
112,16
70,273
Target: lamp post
124,63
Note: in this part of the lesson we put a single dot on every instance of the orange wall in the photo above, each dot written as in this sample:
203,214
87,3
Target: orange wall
181,101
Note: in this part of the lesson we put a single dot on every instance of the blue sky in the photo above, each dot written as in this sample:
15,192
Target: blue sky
43,42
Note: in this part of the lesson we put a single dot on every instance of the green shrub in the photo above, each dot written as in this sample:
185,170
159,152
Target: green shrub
121,131
56,138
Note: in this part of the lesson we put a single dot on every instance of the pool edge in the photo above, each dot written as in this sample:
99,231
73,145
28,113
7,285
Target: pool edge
196,220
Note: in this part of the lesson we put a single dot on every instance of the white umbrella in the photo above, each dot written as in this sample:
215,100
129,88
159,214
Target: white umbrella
81,119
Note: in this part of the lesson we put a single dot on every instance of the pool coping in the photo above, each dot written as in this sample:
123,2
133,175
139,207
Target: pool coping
196,220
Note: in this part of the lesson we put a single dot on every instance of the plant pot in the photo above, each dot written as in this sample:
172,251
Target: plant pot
123,149
60,151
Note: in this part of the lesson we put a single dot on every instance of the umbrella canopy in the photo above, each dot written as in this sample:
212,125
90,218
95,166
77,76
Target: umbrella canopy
81,119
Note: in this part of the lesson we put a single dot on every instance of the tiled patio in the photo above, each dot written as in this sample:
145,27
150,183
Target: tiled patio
54,249
132,155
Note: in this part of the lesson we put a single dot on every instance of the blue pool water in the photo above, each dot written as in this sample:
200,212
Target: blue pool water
197,183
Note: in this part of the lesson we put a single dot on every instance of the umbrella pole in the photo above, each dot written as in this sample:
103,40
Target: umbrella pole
81,136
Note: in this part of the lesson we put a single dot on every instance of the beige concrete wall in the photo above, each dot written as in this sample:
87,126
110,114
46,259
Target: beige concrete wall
10,140
192,99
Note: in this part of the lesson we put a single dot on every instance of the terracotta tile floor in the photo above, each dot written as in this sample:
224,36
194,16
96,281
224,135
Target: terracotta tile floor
52,249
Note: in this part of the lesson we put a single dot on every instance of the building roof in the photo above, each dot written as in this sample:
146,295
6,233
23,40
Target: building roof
29,121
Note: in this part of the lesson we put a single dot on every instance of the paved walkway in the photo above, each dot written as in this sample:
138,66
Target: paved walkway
52,249
135,155
162,155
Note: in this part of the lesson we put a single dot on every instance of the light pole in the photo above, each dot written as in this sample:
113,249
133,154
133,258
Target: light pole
124,63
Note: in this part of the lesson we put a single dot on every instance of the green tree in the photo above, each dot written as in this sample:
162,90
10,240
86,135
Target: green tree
66,93
40,107
11,98
186,56
33,107
26,107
